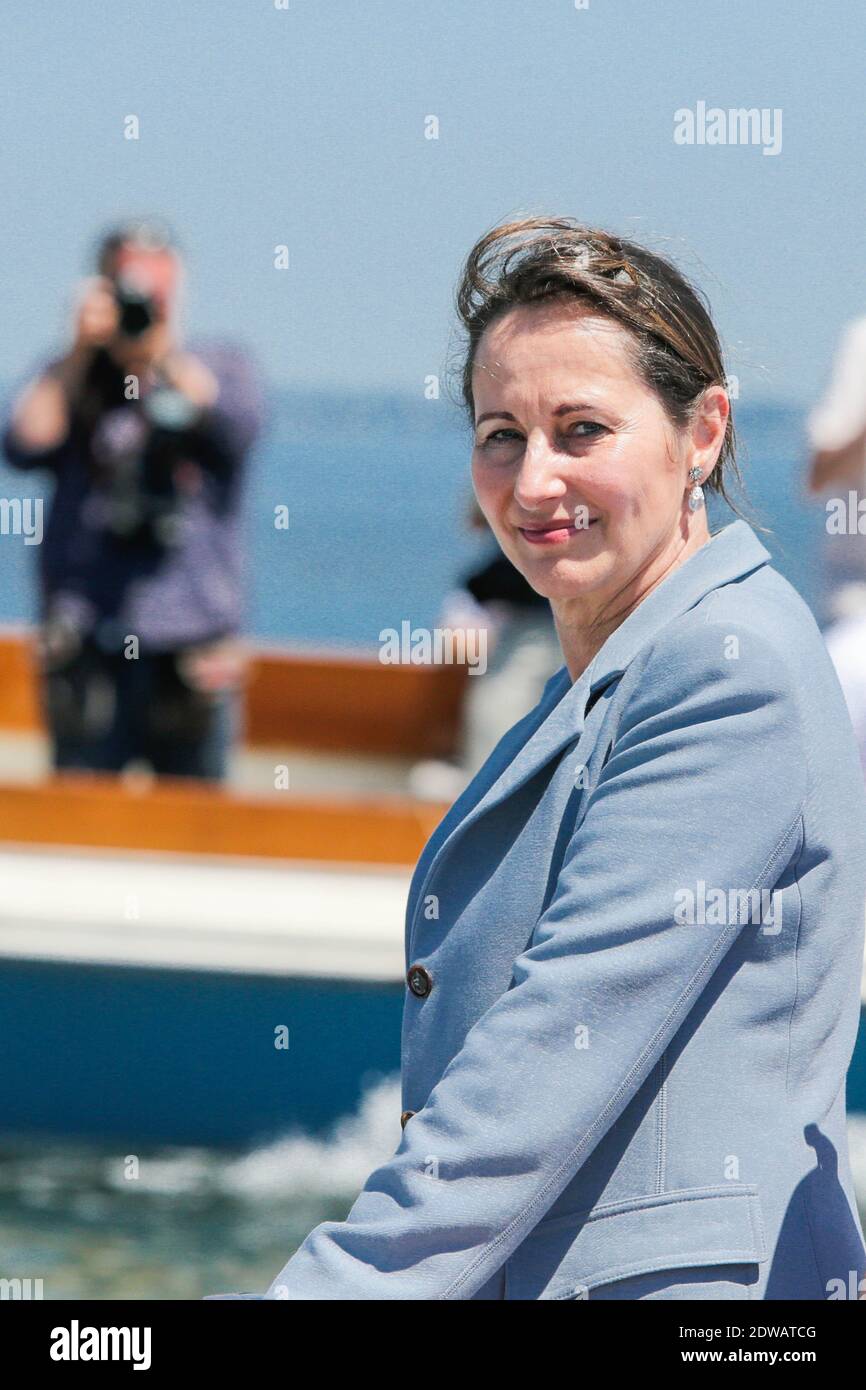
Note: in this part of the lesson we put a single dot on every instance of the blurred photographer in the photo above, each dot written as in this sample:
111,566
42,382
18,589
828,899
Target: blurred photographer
141,562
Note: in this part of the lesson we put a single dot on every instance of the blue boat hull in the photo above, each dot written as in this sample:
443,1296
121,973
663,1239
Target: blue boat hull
154,1056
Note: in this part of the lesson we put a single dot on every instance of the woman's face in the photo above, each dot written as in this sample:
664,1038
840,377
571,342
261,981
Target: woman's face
576,466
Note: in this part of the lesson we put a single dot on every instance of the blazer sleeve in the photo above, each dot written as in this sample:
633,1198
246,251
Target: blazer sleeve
705,781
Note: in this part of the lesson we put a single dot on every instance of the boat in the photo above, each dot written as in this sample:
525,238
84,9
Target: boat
189,964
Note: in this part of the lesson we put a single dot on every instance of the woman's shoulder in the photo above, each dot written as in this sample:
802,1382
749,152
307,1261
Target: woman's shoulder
744,646
757,628
746,665
714,697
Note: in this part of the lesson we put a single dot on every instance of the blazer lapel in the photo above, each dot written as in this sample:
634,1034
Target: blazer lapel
555,721
558,719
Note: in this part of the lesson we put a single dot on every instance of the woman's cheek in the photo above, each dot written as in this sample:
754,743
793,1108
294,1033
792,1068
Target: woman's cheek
491,489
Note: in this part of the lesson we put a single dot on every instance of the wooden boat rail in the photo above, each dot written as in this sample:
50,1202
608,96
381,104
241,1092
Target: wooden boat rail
335,701
330,702
97,812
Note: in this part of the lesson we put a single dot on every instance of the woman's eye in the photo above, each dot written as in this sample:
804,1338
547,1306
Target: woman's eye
587,429
581,429
499,436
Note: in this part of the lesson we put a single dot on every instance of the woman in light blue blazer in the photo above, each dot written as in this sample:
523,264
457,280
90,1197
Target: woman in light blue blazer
634,944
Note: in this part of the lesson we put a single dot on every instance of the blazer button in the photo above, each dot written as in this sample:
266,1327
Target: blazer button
419,980
405,1118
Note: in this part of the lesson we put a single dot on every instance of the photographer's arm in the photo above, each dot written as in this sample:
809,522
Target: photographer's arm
40,418
189,375
224,386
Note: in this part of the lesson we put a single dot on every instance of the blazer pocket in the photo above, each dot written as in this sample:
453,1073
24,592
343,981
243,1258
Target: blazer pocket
697,1226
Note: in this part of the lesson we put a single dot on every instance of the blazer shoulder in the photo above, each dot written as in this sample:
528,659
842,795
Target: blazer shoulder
730,638
768,604
720,668
709,703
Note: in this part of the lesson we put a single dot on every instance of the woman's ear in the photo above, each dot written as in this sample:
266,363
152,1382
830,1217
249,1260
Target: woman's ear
707,431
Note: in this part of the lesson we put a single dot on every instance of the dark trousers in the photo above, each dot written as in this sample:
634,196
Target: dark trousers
105,711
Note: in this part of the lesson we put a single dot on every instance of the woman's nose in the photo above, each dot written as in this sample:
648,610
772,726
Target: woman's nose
539,479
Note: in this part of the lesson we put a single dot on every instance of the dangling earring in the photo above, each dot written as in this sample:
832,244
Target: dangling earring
696,495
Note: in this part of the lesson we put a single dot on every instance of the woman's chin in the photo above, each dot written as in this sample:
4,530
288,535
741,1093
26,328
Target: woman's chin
564,578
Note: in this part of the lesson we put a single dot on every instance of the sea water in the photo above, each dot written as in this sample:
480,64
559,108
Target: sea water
357,515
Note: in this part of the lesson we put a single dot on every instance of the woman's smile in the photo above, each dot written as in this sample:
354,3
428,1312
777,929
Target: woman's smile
554,532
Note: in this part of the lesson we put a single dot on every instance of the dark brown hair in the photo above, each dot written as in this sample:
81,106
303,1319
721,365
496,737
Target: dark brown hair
675,345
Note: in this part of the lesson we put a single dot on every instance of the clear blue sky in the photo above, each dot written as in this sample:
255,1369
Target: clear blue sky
304,126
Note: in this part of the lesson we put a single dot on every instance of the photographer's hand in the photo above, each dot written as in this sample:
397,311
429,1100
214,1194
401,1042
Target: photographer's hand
188,374
40,416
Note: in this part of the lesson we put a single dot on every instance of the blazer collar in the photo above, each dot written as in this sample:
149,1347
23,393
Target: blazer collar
729,555
558,719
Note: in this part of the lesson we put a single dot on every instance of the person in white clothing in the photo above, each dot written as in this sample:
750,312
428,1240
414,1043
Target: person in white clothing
837,439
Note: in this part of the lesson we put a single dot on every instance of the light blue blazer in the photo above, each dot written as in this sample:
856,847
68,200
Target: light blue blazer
636,943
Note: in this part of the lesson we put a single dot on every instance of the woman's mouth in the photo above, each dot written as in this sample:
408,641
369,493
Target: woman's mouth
554,532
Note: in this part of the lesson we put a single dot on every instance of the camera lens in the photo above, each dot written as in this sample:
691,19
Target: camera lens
137,311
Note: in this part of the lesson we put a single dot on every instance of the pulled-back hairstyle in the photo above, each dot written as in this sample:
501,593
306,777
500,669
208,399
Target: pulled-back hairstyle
675,345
